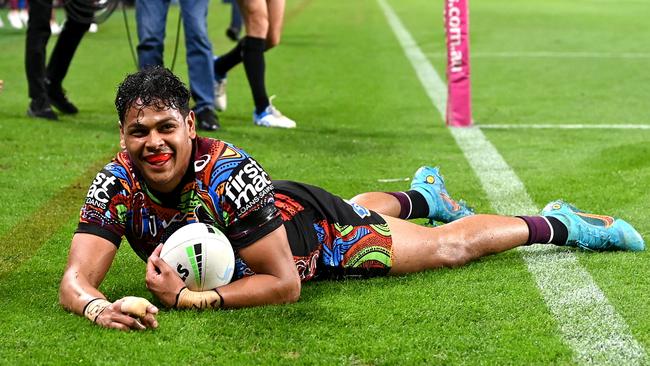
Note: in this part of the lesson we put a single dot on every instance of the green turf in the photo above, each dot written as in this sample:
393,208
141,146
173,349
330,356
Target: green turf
362,116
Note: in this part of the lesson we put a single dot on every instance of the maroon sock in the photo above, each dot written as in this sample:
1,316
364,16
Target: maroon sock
539,229
412,205
404,203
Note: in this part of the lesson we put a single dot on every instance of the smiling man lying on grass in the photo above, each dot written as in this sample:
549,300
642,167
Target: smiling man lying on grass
283,232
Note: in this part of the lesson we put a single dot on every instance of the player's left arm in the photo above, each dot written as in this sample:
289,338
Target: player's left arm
276,279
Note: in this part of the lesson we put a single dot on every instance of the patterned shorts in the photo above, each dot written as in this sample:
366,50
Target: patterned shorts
331,237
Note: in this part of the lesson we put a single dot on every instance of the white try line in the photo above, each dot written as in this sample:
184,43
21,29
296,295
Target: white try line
551,54
588,322
565,126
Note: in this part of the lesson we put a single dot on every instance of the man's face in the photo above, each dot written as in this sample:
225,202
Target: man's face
159,143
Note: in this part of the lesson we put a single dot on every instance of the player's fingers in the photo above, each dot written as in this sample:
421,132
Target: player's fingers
157,251
152,309
112,320
115,315
137,306
129,322
154,260
134,325
151,269
137,324
150,321
160,264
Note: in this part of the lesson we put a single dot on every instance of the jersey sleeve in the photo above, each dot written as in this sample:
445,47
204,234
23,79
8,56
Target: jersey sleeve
104,210
248,206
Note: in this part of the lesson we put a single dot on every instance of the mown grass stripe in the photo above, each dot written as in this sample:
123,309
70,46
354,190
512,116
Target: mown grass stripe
27,236
296,10
589,324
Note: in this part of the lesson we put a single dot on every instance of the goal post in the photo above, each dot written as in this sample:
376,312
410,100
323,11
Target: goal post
459,103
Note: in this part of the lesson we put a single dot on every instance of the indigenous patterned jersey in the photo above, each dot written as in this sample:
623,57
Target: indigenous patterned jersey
227,188
328,236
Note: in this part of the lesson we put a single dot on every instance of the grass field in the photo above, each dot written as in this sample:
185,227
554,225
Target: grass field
363,116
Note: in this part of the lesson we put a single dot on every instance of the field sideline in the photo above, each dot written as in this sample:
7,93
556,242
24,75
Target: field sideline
365,121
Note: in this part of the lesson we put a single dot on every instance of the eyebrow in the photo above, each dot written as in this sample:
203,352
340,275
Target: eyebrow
138,125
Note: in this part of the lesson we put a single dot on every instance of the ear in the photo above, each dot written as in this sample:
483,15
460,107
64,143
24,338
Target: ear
190,120
122,142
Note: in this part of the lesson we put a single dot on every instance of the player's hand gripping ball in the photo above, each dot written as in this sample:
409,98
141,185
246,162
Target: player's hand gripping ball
201,255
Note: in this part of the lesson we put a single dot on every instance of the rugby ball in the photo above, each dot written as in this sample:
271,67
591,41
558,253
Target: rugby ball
201,255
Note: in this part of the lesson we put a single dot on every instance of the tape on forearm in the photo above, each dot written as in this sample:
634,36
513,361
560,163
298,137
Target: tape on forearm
187,299
133,305
95,307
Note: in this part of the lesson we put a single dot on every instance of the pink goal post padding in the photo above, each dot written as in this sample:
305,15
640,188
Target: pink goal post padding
459,96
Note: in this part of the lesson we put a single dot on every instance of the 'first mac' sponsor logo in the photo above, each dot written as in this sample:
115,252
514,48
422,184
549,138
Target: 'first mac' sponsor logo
247,185
98,192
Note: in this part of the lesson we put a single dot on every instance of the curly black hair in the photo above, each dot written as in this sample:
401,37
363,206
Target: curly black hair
154,86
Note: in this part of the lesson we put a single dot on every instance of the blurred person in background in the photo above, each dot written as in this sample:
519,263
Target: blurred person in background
151,17
236,21
263,20
45,80
17,15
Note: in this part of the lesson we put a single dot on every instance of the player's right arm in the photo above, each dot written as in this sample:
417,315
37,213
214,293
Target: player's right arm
88,262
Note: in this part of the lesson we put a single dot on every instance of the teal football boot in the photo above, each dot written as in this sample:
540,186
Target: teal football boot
594,232
429,183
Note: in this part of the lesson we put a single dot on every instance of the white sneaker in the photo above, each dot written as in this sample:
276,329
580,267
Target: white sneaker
271,117
14,19
24,16
220,98
93,28
55,28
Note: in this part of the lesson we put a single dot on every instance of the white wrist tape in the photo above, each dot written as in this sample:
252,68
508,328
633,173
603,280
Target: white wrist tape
187,299
95,307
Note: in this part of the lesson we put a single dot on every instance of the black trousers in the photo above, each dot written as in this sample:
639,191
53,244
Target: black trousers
38,33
